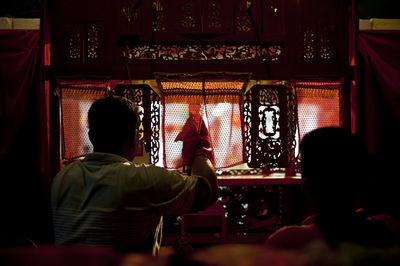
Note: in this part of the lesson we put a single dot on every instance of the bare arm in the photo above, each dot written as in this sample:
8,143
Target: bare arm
202,166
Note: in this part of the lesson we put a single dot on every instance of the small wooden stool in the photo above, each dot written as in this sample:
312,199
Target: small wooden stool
213,216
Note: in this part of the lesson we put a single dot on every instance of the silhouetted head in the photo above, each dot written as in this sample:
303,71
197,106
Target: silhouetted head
113,126
332,162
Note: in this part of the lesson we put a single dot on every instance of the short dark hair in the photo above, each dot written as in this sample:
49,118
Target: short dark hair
112,120
332,162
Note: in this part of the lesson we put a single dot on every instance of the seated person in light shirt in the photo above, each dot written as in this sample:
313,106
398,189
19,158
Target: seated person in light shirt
106,200
333,162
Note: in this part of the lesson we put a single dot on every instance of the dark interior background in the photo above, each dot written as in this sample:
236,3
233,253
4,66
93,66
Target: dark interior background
368,8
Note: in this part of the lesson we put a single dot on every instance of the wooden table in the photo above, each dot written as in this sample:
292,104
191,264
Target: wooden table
215,214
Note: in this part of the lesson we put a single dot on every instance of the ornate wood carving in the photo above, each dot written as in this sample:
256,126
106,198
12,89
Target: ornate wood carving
135,94
205,52
214,14
309,44
242,18
159,17
298,35
272,127
247,126
155,127
74,40
188,16
84,42
318,43
130,10
326,43
93,39
291,104
149,115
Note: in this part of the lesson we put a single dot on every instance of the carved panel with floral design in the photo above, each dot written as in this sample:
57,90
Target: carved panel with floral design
309,38
214,14
188,16
159,16
272,53
326,43
242,18
74,42
84,42
318,43
94,40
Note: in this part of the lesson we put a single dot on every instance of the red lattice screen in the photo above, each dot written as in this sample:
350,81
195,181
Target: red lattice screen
318,105
76,99
218,103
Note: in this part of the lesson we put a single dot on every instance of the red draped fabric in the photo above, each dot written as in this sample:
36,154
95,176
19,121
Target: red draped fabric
379,89
23,136
19,52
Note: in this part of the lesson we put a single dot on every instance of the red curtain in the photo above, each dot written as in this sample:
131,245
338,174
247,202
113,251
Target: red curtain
318,105
76,98
19,52
23,137
379,89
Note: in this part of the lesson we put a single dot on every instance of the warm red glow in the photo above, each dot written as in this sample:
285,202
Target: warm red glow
198,85
47,92
223,85
318,105
353,106
76,100
352,61
300,83
47,54
167,85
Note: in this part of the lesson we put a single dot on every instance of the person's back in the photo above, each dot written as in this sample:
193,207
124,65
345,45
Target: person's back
104,199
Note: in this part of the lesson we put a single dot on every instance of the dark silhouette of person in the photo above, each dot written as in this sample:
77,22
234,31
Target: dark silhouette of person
333,163
104,199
